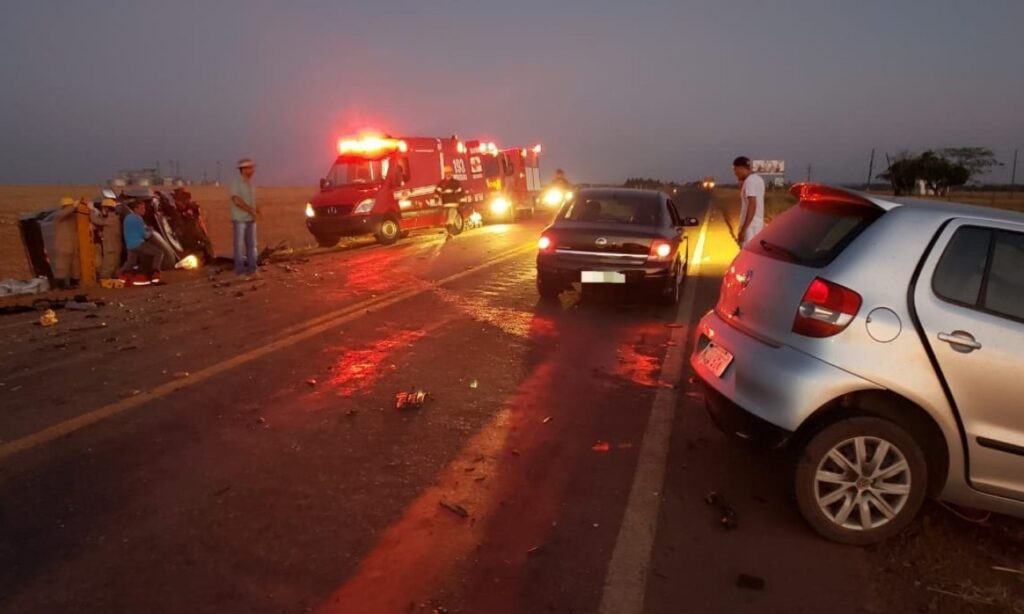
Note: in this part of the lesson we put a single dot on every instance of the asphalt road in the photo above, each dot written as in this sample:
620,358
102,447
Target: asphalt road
219,445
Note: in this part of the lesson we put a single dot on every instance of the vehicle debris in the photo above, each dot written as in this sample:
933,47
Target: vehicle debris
49,318
311,381
76,305
410,400
454,508
474,384
601,446
726,515
750,583
546,420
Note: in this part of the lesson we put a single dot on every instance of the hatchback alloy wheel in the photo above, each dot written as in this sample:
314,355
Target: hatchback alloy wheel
863,483
861,480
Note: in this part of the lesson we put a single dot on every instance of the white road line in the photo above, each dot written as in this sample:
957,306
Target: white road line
625,584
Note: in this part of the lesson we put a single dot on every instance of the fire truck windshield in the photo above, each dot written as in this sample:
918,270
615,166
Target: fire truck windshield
492,167
348,171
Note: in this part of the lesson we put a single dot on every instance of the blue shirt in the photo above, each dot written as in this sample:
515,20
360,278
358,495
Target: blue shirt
135,232
244,190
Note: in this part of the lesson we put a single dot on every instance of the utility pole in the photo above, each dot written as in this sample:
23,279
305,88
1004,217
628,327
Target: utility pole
808,173
218,172
1013,175
871,169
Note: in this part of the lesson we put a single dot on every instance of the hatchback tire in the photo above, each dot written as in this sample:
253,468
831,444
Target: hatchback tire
861,480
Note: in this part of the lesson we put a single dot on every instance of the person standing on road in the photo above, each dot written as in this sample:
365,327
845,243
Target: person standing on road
244,214
560,181
105,217
451,192
751,200
136,239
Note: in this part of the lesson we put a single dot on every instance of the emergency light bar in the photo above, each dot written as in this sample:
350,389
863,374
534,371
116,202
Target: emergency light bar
371,145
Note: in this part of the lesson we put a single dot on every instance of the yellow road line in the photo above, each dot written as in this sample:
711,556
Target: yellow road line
310,328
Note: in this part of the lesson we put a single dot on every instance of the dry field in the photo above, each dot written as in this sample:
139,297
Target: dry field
777,201
283,217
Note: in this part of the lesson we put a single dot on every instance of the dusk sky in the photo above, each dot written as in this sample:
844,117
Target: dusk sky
669,89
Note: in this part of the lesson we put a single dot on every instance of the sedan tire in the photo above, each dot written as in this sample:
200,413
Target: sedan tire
670,295
861,480
547,287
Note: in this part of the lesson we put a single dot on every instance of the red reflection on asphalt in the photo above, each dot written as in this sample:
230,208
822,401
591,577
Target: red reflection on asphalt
358,370
638,368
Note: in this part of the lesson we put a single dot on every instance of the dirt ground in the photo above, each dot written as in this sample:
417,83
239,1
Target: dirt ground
282,206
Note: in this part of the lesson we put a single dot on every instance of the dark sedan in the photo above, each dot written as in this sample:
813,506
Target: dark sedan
615,236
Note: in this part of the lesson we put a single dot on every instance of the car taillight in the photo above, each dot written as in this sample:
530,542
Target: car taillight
660,250
545,244
826,309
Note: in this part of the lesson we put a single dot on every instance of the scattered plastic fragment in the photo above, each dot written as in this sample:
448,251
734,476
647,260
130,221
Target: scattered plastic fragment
601,446
726,515
474,384
455,508
311,381
49,318
546,420
410,400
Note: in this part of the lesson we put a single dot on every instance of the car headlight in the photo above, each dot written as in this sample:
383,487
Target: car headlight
365,206
310,211
553,197
499,205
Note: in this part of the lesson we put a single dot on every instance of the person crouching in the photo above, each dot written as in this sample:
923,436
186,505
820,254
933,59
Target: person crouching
136,240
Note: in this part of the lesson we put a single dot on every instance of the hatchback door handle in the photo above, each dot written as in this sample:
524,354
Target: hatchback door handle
960,339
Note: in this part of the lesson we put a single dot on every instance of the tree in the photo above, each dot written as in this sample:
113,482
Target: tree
976,161
938,172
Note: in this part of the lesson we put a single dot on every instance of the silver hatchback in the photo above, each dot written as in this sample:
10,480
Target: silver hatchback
883,340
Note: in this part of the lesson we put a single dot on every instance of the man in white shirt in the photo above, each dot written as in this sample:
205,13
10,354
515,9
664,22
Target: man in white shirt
751,200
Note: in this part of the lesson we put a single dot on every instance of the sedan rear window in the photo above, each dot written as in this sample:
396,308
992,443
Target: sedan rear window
614,210
814,233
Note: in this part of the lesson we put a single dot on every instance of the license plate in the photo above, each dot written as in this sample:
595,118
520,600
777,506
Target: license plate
603,277
716,359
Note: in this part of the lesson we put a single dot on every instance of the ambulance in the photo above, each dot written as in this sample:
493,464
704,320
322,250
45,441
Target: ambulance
386,186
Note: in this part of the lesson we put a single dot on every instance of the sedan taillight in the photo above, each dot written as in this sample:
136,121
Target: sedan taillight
660,250
826,309
546,244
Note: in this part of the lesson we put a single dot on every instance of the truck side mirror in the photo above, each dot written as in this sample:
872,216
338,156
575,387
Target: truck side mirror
691,221
324,183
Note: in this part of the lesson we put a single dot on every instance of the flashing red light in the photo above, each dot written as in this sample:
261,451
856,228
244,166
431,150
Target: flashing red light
537,149
371,145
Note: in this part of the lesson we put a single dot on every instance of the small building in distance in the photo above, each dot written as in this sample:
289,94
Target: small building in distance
144,178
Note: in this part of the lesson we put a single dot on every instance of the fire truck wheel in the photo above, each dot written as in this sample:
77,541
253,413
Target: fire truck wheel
458,225
388,231
326,240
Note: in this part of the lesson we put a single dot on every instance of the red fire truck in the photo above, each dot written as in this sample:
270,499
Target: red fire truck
386,186
504,182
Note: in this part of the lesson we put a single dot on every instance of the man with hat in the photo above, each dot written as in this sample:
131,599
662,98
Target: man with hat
244,214
109,223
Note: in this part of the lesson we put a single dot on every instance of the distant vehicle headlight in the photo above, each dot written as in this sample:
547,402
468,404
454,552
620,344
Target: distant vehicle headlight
365,206
310,211
499,205
553,197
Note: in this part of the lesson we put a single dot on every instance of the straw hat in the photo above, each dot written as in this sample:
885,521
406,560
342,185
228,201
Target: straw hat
67,201
108,202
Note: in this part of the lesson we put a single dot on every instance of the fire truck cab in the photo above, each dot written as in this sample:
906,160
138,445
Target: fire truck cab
386,187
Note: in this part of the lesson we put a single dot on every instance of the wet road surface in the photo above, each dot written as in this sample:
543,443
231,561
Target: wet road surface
233,446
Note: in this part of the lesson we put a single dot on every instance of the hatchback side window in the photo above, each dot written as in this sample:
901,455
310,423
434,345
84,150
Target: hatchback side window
1004,286
961,270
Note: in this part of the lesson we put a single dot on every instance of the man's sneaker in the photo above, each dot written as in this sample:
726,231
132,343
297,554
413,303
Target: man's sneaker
155,278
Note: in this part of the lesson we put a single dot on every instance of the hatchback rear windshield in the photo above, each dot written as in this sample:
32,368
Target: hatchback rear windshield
814,233
614,209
